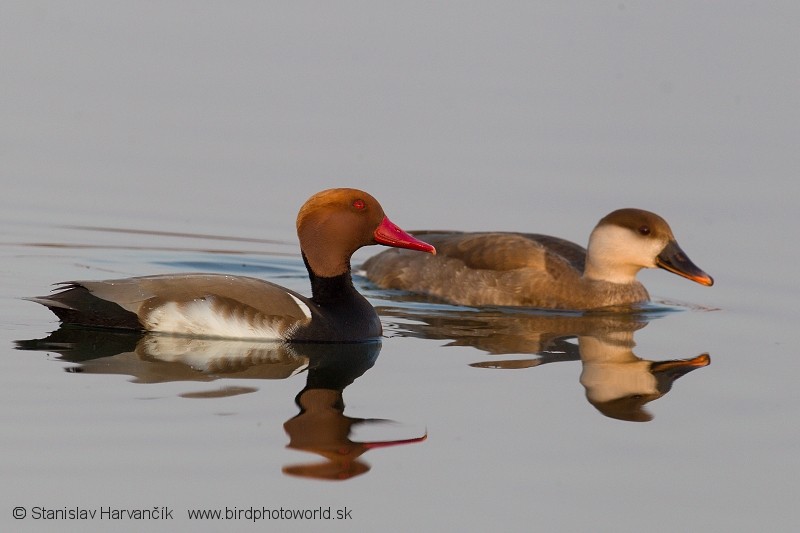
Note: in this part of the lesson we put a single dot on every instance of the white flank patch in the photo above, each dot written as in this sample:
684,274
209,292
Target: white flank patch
303,307
202,317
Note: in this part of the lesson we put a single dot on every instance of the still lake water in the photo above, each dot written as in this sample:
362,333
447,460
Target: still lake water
192,150
126,422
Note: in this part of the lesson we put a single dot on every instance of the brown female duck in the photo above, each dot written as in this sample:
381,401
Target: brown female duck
524,269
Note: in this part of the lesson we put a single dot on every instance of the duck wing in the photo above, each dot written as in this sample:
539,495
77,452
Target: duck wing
199,304
572,253
482,268
506,250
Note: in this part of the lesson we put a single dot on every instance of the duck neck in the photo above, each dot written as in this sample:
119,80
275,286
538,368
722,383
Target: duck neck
608,256
329,289
600,271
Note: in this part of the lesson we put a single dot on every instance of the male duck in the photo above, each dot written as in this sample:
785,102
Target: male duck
331,226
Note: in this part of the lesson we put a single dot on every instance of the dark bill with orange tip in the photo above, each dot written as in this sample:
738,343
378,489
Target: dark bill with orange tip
675,260
390,234
681,364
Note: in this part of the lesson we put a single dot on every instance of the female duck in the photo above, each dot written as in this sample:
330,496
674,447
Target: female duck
523,269
331,226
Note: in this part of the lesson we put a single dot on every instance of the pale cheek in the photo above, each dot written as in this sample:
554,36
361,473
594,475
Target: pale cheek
655,249
642,254
623,247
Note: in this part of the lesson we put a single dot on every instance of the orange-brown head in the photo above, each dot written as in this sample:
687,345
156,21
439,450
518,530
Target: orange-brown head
334,223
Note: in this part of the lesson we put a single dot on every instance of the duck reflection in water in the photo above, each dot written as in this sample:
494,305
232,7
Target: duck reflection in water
321,427
617,382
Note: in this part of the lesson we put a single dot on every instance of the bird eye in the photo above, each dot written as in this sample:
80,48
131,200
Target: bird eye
359,204
644,230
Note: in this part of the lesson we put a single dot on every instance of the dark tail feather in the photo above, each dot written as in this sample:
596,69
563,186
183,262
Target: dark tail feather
76,305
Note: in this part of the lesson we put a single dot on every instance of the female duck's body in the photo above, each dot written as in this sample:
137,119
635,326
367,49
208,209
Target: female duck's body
531,270
331,226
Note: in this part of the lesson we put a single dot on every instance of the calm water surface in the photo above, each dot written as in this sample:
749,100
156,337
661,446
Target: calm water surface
557,418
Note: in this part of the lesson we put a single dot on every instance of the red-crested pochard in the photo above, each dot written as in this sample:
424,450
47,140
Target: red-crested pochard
523,269
331,226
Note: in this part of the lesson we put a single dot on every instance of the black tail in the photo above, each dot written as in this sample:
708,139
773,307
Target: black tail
75,304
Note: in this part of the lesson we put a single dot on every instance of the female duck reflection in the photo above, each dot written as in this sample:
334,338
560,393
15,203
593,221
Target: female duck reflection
617,382
321,427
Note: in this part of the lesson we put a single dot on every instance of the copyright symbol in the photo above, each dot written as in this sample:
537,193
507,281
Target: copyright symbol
19,513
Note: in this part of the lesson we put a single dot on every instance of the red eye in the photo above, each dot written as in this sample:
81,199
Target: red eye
359,204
